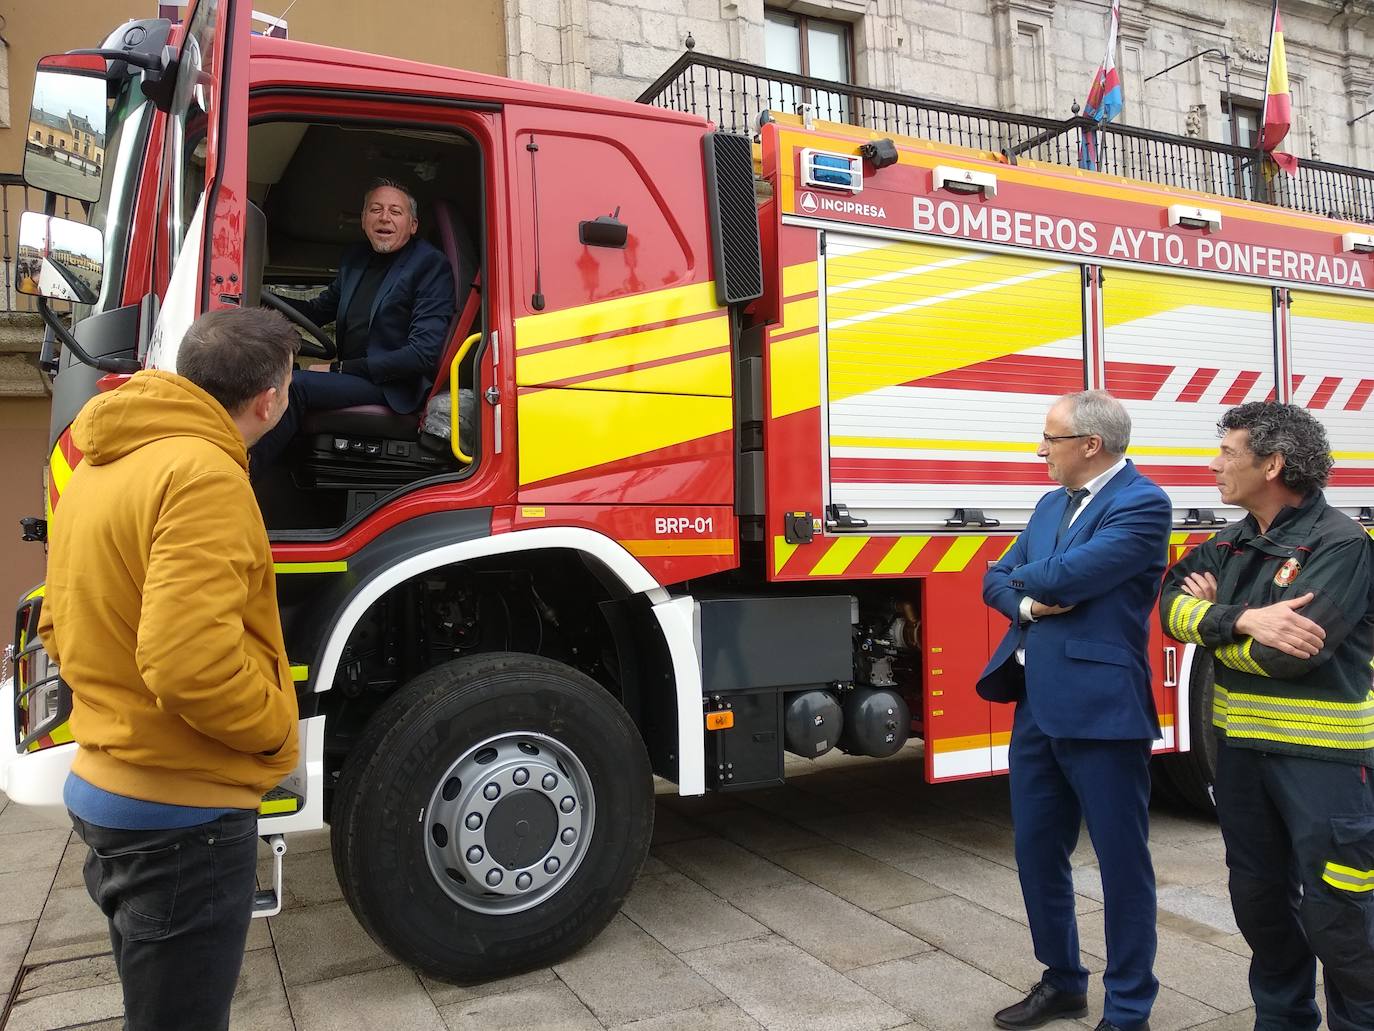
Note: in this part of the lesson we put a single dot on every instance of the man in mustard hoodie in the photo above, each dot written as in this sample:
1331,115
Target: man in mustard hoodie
161,610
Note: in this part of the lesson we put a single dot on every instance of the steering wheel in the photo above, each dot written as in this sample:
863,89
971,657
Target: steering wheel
318,344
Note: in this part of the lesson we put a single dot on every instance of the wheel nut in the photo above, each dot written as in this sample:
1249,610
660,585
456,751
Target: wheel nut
475,854
568,836
473,821
522,776
568,804
491,792
523,881
551,864
493,877
550,782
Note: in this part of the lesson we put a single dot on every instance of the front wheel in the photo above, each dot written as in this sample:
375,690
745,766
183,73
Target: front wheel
493,817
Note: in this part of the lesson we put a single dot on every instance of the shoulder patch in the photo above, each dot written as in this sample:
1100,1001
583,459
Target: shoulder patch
1288,572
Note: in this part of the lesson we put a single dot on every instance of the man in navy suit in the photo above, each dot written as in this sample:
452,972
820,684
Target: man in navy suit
392,302
1079,585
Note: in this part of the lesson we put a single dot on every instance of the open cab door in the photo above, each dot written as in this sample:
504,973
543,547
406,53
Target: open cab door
203,206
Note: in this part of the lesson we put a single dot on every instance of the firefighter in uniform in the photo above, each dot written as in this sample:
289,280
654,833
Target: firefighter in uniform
1284,601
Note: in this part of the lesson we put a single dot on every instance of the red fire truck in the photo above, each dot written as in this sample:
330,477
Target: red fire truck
733,430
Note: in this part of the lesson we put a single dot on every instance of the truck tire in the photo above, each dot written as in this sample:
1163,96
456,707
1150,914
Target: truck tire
1194,772
492,817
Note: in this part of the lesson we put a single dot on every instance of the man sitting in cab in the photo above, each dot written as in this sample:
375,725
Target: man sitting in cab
391,302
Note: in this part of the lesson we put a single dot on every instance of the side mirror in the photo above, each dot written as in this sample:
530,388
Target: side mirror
64,146
59,259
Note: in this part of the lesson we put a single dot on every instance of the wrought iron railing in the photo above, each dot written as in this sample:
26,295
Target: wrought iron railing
733,94
15,199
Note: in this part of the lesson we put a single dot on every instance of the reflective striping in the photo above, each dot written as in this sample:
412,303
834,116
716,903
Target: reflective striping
900,556
1185,617
1296,721
782,551
673,359
60,470
838,556
658,548
1238,656
1348,878
959,555
310,567
575,324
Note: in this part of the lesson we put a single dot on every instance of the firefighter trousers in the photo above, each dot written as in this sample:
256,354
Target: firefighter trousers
1299,839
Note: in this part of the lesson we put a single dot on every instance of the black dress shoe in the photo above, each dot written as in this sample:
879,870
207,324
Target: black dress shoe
1044,1003
1106,1025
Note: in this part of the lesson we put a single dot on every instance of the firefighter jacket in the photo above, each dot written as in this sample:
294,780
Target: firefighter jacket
1321,707
161,604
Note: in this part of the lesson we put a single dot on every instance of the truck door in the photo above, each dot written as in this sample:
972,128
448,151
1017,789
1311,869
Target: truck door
940,364
1333,377
199,248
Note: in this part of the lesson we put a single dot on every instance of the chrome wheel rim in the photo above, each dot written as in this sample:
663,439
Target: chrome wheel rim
509,822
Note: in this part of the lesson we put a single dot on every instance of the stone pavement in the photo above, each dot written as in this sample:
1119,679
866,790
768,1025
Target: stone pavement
855,898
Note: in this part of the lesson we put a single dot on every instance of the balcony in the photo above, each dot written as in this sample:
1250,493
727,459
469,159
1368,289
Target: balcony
733,94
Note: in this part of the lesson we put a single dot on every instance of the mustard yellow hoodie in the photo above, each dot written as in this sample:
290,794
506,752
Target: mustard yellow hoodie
161,604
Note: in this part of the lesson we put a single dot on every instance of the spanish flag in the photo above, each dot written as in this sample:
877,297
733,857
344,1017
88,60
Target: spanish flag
1278,100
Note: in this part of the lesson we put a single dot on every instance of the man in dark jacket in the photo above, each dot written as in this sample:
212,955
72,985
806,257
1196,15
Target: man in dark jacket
1285,603
391,303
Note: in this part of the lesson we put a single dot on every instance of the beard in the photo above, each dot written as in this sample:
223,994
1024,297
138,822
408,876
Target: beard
383,245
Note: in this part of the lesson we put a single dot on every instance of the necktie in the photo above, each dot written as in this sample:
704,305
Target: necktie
1075,499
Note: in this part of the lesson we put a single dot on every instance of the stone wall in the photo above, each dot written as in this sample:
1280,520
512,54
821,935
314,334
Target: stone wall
1031,56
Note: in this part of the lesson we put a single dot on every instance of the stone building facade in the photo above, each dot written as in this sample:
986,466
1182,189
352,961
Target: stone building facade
1027,56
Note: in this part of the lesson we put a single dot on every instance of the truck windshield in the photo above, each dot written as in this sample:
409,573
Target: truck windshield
128,123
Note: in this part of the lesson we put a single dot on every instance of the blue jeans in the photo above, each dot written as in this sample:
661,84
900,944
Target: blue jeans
311,392
179,903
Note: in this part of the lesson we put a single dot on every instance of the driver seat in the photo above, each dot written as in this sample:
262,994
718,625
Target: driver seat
379,421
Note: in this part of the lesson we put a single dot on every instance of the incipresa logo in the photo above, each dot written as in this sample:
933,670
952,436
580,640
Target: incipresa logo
809,202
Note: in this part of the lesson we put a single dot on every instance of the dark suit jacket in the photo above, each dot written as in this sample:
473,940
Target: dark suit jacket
1087,674
410,318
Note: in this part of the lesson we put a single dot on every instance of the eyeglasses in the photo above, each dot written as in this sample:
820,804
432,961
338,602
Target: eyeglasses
1050,438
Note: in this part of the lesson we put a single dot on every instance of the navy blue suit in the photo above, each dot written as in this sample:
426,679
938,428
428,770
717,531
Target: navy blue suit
1085,719
410,318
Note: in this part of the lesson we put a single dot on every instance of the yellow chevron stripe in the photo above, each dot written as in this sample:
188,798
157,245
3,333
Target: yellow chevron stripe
782,551
707,376
620,313
838,556
959,555
795,374
61,471
799,279
902,553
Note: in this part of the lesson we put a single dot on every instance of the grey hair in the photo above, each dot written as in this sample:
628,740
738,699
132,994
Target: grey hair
1096,413
382,181
1287,430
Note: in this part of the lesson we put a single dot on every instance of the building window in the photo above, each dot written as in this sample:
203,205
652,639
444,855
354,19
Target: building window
1249,116
814,47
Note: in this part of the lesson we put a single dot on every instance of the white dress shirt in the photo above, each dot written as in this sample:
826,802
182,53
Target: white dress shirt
1094,487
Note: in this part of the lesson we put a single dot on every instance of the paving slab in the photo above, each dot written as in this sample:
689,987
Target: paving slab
625,975
14,942
836,932
32,850
66,1009
68,976
671,826
70,870
308,878
392,999
998,946
682,915
71,926
320,943
760,832
857,878
24,892
723,867
1171,1012
938,991
715,1016
260,996
445,994
544,1007
785,989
